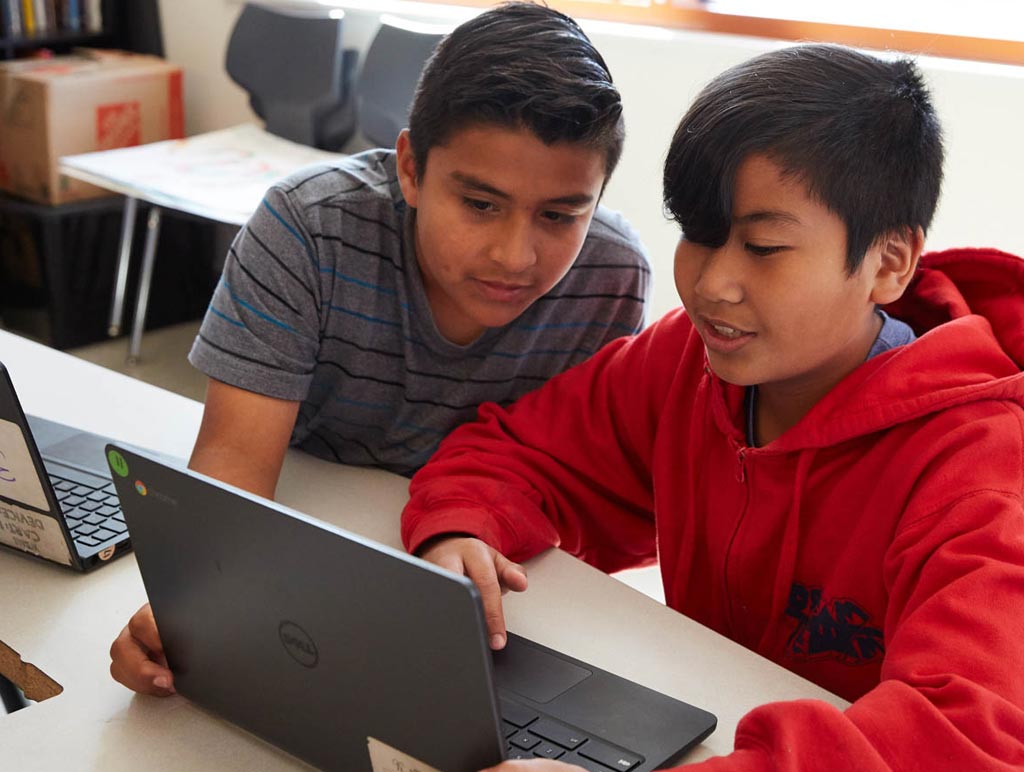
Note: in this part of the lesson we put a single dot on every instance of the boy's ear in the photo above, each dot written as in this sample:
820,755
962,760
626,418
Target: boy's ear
898,255
408,179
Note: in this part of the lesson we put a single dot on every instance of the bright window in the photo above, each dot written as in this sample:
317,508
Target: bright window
987,30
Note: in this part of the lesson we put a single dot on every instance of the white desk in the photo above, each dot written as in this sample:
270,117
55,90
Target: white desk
64,622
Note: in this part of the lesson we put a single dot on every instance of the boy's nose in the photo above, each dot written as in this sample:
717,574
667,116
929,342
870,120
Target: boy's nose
719,277
514,249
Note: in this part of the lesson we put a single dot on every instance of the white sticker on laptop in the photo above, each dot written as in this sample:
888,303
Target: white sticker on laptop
30,531
384,758
18,477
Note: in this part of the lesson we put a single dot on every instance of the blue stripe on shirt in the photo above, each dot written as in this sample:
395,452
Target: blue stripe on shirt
256,311
360,282
573,325
368,405
226,318
423,429
534,352
365,317
508,354
291,229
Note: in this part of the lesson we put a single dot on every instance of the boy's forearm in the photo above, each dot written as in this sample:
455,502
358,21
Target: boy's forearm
433,515
526,478
235,466
243,438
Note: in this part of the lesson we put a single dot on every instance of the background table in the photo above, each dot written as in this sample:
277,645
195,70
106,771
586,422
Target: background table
64,622
219,176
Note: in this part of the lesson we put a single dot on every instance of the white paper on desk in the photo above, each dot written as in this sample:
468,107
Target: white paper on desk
32,532
221,174
18,477
384,758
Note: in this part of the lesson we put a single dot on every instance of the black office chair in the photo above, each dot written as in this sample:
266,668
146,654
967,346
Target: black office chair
387,81
298,75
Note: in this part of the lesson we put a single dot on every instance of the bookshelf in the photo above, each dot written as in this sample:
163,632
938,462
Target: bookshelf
27,26
57,262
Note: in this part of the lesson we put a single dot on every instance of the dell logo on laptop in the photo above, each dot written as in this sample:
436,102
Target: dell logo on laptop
298,644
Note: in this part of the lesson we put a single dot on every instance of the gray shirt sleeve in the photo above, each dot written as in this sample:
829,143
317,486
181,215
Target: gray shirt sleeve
261,331
613,267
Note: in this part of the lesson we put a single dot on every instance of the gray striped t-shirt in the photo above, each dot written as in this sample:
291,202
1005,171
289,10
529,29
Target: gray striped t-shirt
321,301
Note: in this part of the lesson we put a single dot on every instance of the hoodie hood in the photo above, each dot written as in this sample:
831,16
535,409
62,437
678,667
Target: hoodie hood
956,283
967,308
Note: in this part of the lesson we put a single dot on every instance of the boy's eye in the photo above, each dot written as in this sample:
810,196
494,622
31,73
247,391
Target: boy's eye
559,217
478,205
762,251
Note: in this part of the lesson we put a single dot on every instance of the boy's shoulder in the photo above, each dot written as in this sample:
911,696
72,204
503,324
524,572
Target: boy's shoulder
611,234
368,178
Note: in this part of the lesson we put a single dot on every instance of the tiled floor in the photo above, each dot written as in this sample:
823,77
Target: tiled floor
164,363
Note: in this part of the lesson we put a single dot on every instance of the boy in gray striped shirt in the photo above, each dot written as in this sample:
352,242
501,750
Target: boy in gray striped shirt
369,307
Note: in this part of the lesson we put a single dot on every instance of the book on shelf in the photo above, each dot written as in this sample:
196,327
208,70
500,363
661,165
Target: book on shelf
93,15
73,15
38,18
10,10
42,17
28,17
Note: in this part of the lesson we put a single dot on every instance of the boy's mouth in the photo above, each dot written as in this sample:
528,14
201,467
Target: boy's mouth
501,291
722,336
725,331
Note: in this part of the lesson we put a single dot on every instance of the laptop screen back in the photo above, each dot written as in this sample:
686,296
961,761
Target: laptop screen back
27,508
317,640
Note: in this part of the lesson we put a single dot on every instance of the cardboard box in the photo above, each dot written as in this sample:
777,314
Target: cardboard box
90,100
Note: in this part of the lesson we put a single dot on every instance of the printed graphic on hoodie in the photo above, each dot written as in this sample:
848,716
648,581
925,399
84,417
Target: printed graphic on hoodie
834,629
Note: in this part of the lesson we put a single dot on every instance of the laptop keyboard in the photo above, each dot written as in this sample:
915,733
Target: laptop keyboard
93,514
531,735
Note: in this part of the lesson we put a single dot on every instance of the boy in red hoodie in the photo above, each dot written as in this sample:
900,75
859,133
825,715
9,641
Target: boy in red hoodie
824,451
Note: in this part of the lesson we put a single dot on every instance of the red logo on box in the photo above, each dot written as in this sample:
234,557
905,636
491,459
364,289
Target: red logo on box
118,125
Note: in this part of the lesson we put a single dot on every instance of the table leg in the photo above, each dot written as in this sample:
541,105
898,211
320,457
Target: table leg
123,259
142,298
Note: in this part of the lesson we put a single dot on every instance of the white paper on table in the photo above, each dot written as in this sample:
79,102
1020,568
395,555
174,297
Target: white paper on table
384,758
221,175
19,479
33,532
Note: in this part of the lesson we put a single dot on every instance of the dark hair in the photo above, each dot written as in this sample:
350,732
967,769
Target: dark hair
519,65
860,132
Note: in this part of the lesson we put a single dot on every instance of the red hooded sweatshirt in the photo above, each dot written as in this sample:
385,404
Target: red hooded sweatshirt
876,548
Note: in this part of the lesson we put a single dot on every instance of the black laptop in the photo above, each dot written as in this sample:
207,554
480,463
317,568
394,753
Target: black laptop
57,501
337,648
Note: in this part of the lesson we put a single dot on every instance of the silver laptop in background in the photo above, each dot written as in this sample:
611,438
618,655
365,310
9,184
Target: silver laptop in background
337,648
57,501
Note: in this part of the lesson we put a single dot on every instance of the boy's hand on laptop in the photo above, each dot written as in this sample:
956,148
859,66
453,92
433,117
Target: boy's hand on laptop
137,657
533,765
490,571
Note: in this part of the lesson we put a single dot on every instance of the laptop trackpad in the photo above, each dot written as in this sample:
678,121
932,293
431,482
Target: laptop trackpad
533,673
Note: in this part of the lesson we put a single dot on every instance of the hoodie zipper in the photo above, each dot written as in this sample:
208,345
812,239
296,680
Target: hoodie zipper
741,477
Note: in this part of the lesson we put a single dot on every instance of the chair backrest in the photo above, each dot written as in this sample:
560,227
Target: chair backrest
390,72
297,74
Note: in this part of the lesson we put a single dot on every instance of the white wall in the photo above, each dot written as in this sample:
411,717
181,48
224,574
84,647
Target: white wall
981,107
658,73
